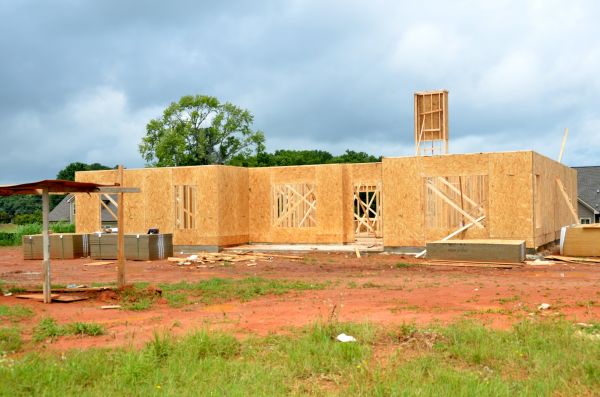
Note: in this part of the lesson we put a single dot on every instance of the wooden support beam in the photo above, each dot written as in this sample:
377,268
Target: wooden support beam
121,235
454,233
46,246
562,146
563,191
117,189
453,204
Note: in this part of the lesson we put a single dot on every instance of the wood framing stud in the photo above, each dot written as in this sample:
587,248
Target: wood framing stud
294,205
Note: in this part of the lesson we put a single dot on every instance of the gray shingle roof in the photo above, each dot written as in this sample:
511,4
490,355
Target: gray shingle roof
60,213
588,185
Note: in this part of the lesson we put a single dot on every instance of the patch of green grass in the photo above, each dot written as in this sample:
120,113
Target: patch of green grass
401,265
370,284
220,289
176,299
48,328
532,359
10,339
352,284
15,313
63,227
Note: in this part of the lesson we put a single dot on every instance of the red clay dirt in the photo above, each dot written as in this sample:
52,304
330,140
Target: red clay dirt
368,289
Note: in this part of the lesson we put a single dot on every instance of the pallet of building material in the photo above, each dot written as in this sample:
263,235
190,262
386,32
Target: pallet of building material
488,250
141,247
580,240
62,246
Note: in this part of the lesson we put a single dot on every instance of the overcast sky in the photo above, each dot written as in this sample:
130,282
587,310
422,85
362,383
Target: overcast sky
79,80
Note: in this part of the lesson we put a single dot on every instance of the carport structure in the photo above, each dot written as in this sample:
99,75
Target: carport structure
51,186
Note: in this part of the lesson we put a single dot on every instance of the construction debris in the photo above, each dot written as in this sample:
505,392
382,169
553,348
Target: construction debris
544,306
104,263
109,307
345,338
201,259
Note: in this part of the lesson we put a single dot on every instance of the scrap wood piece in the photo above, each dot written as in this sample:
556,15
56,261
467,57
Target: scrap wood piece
35,297
357,252
67,290
573,259
108,307
69,298
454,233
98,263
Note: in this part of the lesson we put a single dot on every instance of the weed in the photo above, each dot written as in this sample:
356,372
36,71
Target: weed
90,329
351,284
514,298
15,313
401,265
10,339
47,328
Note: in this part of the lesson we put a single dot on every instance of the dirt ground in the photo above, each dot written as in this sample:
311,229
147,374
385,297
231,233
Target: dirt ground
373,288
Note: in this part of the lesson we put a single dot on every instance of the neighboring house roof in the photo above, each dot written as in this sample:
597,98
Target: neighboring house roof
588,187
105,214
61,213
586,205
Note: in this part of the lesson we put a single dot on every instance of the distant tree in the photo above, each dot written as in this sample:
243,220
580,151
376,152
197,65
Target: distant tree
350,156
300,157
68,173
200,130
4,217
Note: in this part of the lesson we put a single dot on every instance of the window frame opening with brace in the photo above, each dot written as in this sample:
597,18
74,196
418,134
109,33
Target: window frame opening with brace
294,205
367,205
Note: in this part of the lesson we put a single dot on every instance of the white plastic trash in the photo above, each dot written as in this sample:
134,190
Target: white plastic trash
345,338
544,306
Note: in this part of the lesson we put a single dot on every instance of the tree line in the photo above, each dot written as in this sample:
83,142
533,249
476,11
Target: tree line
196,130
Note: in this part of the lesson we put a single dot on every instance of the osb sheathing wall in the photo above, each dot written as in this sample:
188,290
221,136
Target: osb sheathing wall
510,209
333,190
221,203
553,209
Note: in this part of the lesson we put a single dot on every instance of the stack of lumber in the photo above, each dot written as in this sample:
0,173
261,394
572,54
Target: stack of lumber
139,247
62,246
488,250
204,259
580,240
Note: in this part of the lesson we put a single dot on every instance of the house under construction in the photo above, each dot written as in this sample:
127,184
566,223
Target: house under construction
406,201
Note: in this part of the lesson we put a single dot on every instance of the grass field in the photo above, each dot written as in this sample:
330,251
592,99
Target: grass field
8,227
532,359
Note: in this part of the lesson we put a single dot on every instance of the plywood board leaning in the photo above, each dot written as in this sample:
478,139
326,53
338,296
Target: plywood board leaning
579,241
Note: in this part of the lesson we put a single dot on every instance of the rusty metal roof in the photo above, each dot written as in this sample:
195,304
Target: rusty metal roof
53,186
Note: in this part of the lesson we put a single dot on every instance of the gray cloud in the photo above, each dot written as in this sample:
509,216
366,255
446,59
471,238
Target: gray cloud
81,79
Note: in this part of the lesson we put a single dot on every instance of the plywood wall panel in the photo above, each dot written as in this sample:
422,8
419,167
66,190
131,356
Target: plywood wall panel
553,210
158,199
233,205
511,196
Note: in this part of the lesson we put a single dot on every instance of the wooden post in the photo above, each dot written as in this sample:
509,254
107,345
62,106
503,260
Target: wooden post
120,236
46,246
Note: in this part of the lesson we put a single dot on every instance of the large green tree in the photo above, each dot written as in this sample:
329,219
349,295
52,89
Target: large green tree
199,130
